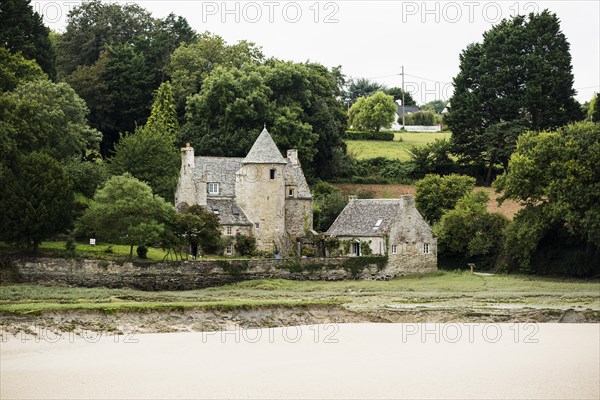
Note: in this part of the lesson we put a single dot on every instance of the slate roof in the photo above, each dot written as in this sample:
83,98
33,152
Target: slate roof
264,151
218,169
295,176
361,215
229,212
407,109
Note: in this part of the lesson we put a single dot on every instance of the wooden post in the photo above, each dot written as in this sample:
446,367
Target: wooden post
472,266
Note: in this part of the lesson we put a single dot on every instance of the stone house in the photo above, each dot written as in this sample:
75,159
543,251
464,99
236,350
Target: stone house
387,227
263,194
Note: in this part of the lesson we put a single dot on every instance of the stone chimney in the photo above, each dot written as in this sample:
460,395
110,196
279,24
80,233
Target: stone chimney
292,155
407,200
187,158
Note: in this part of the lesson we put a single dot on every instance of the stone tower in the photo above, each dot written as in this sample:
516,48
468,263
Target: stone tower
260,192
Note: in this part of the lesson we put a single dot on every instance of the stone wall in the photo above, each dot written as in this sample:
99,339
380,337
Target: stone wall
298,217
188,275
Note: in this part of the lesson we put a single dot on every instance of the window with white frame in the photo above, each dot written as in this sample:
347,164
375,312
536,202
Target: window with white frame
229,249
290,192
257,225
228,230
394,249
425,248
213,188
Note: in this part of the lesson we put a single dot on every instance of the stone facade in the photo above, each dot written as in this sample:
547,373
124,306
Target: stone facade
392,228
263,195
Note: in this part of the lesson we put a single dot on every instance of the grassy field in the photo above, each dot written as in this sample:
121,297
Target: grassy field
393,150
454,289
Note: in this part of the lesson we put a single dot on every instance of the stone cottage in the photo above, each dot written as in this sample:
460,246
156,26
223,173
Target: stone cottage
387,227
263,194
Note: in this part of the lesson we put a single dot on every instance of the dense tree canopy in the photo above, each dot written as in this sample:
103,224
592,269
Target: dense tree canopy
556,176
22,30
16,69
94,26
192,63
115,56
520,72
297,102
47,117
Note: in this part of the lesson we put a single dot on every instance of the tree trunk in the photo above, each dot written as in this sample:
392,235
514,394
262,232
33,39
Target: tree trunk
131,252
36,246
488,179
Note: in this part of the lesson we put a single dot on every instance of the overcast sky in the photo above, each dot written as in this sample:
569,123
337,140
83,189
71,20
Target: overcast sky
373,39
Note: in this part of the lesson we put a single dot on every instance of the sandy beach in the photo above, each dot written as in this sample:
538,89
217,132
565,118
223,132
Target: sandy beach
449,361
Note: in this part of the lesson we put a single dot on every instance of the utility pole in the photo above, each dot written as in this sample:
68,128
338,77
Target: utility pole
403,97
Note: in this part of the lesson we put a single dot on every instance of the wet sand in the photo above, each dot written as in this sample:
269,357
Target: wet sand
346,361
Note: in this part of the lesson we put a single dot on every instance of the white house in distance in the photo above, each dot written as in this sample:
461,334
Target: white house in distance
390,227
397,125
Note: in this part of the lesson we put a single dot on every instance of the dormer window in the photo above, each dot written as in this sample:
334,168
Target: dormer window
213,188
378,224
272,173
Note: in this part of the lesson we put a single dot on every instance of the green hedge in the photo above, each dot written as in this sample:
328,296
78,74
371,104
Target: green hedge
360,135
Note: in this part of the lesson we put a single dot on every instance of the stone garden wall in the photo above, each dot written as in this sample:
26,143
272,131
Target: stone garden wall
187,275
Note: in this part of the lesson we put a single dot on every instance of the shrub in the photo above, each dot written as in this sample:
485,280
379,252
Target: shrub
423,118
245,245
142,251
470,232
362,135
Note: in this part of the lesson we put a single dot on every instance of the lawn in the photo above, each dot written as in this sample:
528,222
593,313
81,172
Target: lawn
456,289
397,149
82,250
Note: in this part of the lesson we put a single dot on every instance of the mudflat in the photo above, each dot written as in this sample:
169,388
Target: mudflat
341,361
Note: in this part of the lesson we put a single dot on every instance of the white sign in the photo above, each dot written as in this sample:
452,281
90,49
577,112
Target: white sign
93,242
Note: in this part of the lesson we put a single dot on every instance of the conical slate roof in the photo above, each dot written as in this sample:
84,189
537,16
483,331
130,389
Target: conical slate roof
264,151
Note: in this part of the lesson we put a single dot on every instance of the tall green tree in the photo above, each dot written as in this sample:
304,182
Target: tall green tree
124,211
556,177
23,30
47,117
373,113
149,155
35,201
437,195
163,115
520,72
